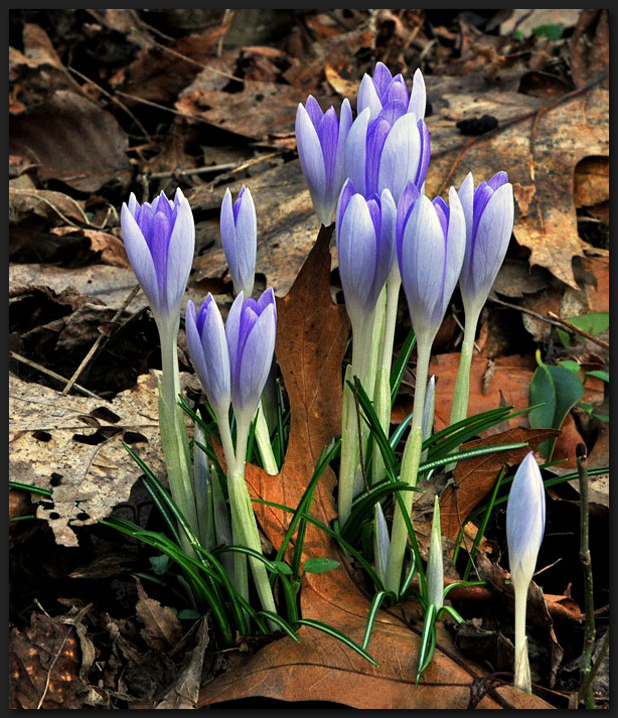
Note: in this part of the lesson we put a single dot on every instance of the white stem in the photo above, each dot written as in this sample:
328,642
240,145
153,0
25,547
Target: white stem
409,468
242,508
522,662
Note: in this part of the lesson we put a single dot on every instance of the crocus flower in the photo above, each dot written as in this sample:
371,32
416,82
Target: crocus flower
430,249
209,352
365,247
250,330
159,237
489,222
525,525
239,239
377,91
321,137
525,520
387,151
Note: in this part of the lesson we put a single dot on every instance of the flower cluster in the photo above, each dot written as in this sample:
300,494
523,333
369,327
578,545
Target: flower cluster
390,234
366,176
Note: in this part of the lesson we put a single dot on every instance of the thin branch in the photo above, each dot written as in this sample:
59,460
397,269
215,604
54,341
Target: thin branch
99,341
49,372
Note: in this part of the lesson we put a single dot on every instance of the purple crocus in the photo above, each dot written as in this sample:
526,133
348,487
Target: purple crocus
321,137
377,91
233,360
250,329
209,352
365,247
525,520
430,250
489,213
239,238
387,151
159,238
525,526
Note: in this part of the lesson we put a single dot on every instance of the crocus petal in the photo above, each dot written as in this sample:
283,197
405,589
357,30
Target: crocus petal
421,253
368,97
418,96
209,353
525,519
181,249
311,158
356,151
140,257
239,238
491,241
232,332
400,155
357,254
456,246
255,363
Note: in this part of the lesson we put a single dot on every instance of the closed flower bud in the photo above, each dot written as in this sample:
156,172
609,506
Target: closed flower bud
209,352
321,138
159,238
250,328
239,239
525,520
430,249
489,213
365,247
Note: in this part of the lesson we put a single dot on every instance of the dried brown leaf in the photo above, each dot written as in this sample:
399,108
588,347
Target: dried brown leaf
44,665
162,629
539,152
475,477
72,139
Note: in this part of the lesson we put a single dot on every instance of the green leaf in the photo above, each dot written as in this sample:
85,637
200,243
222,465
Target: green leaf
551,32
320,565
159,564
570,365
559,390
592,323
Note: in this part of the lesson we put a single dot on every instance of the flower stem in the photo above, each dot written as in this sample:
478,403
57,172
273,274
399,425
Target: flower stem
409,468
461,393
246,523
362,335
173,429
382,393
522,663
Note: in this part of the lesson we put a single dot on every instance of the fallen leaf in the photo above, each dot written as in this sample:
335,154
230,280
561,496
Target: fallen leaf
589,46
475,477
162,629
87,479
186,689
507,386
539,152
44,665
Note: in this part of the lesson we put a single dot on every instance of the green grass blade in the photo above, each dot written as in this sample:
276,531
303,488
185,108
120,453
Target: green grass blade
399,365
331,631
